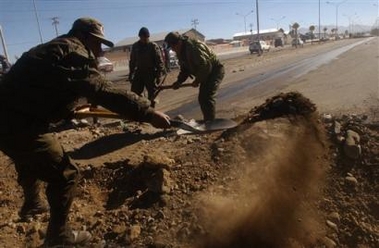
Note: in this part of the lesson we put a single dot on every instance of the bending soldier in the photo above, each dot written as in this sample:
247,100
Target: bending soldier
42,87
197,60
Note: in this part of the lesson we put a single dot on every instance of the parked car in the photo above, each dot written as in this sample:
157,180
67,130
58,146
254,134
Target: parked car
297,42
258,47
104,64
278,42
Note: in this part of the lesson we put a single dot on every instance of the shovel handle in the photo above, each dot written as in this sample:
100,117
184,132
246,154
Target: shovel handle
166,87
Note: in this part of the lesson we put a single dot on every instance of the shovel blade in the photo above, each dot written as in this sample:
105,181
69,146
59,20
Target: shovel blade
194,126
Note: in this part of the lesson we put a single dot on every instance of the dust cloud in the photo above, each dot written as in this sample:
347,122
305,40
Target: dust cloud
277,169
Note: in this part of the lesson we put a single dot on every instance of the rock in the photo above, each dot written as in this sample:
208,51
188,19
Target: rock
336,127
329,243
160,182
327,118
134,232
332,225
158,162
351,180
334,216
351,147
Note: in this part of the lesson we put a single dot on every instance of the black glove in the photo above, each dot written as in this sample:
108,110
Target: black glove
176,85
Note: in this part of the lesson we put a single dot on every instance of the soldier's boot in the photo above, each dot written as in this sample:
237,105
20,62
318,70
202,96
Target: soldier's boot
33,203
60,197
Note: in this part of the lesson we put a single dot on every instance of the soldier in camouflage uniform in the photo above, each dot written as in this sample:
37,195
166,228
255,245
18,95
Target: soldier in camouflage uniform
42,87
146,65
197,60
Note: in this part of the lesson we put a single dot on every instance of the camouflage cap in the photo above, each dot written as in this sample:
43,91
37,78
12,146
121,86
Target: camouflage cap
93,27
172,38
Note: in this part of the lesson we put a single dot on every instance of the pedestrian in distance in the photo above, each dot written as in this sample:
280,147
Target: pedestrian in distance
146,66
41,88
198,61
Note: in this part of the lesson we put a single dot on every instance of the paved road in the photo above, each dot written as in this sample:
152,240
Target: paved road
241,91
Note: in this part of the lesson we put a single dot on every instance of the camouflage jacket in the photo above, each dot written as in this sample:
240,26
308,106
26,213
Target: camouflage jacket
44,85
146,58
196,59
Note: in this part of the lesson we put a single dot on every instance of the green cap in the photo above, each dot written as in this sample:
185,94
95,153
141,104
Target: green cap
93,27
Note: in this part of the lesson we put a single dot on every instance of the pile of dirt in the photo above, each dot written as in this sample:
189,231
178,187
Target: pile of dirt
283,104
280,179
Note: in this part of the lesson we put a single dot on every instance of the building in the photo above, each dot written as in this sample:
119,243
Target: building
268,35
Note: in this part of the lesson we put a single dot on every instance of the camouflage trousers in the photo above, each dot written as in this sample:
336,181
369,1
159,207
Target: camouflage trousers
208,91
40,157
144,80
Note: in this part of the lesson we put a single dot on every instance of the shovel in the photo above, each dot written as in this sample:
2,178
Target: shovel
165,87
191,126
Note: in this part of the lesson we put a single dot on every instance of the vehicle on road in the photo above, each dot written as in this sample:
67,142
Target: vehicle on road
258,47
104,65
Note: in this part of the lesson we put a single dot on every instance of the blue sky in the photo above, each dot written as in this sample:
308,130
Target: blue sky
217,18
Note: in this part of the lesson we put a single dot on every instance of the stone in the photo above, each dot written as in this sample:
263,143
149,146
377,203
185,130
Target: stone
160,182
336,127
351,147
334,216
329,243
327,118
134,232
351,180
158,162
332,225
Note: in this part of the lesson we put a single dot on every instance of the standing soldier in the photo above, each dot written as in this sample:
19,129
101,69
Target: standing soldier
42,87
197,60
146,65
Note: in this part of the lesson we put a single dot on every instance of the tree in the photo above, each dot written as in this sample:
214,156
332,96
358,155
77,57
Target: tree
312,29
325,29
296,26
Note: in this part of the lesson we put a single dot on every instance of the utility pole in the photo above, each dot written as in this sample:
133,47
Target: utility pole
244,18
39,26
256,2
337,6
4,44
55,23
319,22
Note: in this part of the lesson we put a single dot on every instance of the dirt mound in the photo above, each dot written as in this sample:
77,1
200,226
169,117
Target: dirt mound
283,104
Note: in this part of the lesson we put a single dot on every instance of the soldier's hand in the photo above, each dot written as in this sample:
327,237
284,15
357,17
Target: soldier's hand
195,84
176,85
130,77
160,120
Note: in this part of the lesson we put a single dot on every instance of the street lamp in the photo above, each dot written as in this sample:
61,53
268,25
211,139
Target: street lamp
277,21
337,5
244,17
